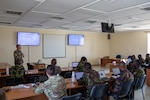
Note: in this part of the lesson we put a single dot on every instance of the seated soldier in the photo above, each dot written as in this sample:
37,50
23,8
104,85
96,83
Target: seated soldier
81,64
137,71
57,68
140,60
54,87
124,76
89,78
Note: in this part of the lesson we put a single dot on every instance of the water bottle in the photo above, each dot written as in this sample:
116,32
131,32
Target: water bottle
7,71
73,77
68,66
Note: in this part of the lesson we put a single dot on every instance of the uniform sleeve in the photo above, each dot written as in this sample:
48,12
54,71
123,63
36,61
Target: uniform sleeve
39,89
80,66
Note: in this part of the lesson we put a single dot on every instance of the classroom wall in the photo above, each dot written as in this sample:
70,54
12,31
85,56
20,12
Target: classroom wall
128,43
96,46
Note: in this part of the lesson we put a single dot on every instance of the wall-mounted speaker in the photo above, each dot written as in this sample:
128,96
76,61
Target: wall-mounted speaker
108,37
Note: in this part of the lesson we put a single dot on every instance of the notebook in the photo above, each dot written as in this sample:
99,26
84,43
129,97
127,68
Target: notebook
79,75
116,71
103,76
74,64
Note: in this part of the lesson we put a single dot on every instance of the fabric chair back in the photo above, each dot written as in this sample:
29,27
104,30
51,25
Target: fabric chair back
140,82
77,96
17,71
98,91
67,75
125,88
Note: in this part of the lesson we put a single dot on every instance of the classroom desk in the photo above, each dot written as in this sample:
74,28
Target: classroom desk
28,94
29,73
147,76
105,61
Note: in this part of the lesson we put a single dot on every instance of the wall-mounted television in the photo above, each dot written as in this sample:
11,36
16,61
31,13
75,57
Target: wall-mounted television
106,27
75,39
28,38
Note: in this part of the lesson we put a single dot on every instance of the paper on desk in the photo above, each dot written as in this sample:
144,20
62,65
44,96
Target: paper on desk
20,86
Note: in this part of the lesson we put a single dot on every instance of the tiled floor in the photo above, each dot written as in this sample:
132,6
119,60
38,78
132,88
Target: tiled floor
138,93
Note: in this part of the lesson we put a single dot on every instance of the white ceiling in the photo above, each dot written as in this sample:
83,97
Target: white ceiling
76,14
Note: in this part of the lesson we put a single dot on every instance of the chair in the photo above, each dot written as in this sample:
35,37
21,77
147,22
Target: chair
77,96
67,75
43,78
16,75
98,91
30,66
140,84
125,89
118,56
32,79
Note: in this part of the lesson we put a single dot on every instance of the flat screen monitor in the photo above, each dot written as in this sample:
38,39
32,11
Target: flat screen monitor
28,38
106,27
75,39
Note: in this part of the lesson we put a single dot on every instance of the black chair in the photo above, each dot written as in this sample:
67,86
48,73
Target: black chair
99,91
43,78
77,96
32,79
30,67
118,56
125,89
67,75
140,84
14,81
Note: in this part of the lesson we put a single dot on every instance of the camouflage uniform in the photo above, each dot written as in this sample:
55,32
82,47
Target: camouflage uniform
18,57
54,88
137,72
124,76
80,66
90,79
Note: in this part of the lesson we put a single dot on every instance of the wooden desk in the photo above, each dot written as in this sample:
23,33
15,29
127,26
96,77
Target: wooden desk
39,66
147,76
24,94
28,94
105,61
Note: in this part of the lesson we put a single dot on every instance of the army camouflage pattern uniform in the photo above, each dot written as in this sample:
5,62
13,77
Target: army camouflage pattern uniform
137,72
54,88
124,76
80,66
90,79
18,57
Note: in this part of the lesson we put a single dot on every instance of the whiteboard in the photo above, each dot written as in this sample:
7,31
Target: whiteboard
54,46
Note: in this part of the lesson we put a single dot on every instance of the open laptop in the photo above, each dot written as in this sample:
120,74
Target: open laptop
74,64
79,75
103,75
116,71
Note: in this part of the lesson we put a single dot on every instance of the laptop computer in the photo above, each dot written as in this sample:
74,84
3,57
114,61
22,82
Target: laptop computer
116,71
79,75
103,75
74,64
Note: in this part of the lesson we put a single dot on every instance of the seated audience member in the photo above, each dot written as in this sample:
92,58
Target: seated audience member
89,78
124,76
81,64
132,63
137,71
54,87
57,68
2,95
140,59
147,59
